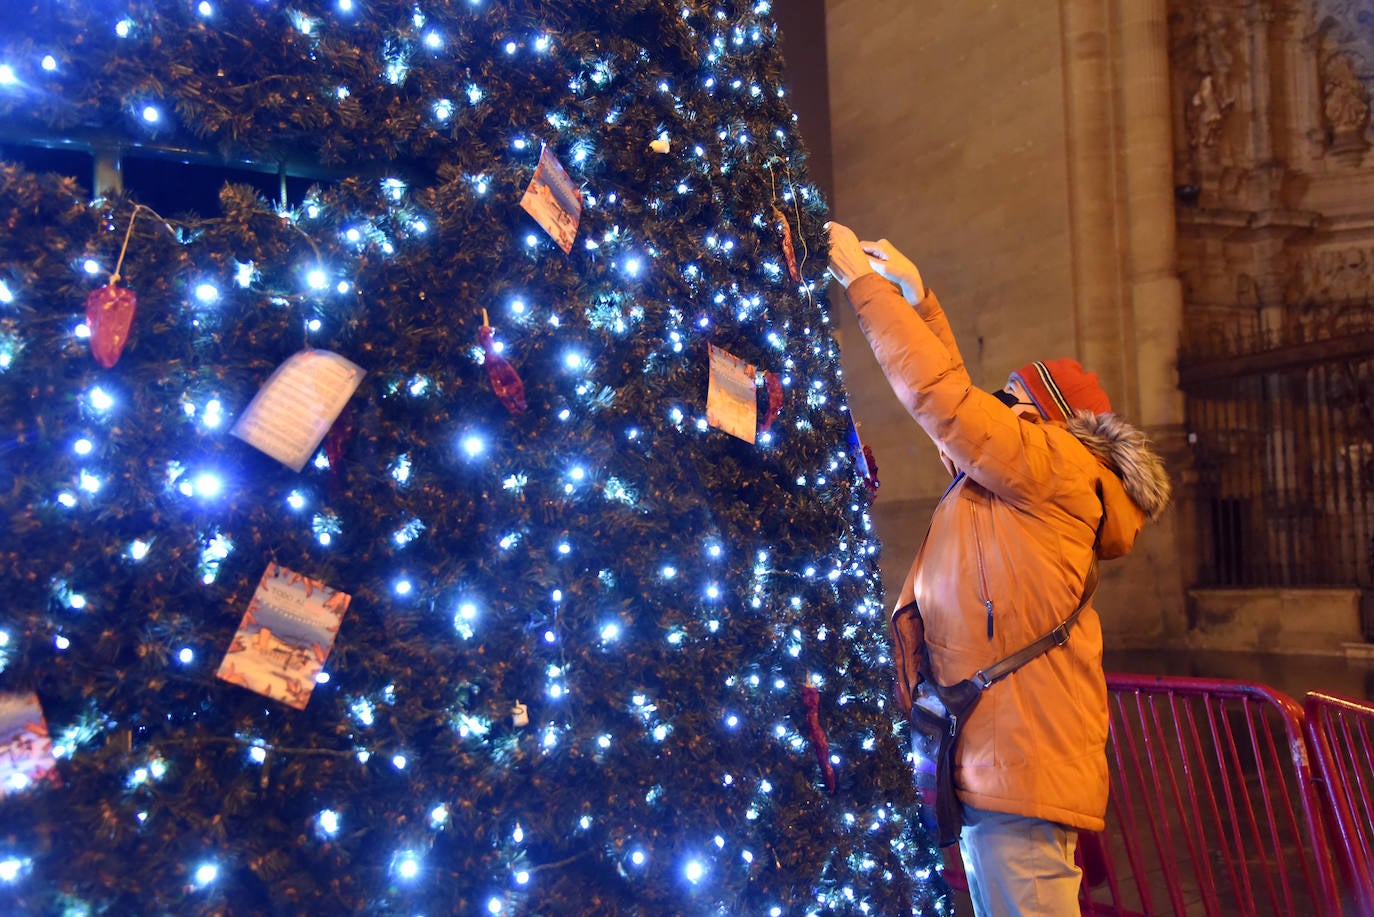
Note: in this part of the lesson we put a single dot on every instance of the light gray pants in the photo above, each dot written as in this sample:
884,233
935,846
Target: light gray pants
1018,866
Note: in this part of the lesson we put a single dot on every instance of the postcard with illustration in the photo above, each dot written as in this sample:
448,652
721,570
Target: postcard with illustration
553,200
285,636
26,754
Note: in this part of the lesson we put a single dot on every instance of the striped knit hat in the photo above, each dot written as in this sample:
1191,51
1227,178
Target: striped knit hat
1062,388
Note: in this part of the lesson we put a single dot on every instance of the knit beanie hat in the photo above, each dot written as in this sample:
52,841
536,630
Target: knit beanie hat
1062,388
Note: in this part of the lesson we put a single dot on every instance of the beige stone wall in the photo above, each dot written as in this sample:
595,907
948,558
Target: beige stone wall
991,142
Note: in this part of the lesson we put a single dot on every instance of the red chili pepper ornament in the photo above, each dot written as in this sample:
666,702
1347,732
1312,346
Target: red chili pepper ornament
505,381
109,315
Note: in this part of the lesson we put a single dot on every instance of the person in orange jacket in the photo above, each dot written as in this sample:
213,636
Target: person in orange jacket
1045,476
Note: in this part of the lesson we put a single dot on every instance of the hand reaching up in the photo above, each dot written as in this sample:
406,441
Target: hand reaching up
848,262
884,258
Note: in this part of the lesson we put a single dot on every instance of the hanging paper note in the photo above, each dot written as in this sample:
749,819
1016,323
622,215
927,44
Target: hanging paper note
730,402
293,411
285,636
553,200
26,754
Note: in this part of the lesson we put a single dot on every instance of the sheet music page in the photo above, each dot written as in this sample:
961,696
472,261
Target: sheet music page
295,408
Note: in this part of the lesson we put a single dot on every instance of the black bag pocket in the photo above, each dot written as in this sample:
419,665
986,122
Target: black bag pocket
936,715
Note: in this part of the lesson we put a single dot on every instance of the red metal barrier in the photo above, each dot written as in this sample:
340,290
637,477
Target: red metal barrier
1213,808
1340,734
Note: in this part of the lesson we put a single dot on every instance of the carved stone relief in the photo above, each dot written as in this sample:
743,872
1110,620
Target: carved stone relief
1205,47
1344,51
1332,275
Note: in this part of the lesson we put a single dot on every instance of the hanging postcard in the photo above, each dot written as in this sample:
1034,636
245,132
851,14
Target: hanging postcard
295,408
730,401
26,754
553,200
285,636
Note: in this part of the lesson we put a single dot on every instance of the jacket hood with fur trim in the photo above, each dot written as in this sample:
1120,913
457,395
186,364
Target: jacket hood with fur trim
1130,454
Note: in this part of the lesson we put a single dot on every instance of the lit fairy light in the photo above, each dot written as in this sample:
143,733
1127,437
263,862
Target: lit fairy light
206,485
207,293
695,871
206,873
408,865
442,110
100,399
213,415
186,655
151,114
6,296
328,821
11,868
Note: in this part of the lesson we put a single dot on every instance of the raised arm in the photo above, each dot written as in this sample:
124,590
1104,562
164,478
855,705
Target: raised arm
851,259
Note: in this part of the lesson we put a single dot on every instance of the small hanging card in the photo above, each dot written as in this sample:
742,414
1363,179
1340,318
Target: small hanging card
285,636
295,408
730,401
26,754
553,200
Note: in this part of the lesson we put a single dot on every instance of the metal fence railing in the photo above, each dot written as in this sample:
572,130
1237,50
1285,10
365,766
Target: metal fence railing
1280,416
1214,809
1340,734
1230,798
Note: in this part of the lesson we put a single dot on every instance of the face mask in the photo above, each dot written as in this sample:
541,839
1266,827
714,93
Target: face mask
1006,398
1011,401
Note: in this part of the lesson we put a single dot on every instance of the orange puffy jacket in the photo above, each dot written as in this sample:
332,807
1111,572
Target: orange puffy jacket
1005,559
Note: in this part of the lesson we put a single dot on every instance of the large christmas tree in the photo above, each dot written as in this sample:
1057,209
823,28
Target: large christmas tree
377,544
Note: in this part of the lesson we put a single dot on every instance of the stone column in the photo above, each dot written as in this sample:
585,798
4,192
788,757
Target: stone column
1094,228
1156,295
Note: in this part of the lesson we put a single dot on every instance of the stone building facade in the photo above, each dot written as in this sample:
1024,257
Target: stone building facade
1179,193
